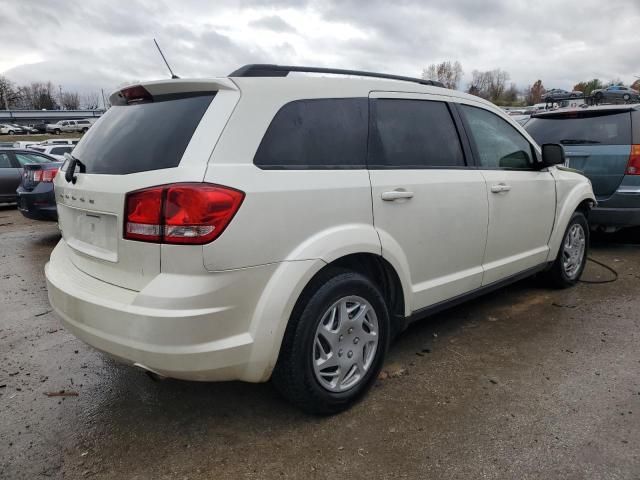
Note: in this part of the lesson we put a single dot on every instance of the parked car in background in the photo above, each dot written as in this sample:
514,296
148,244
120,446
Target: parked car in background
80,126
24,144
36,196
40,127
556,94
63,141
9,129
27,128
603,143
55,151
11,163
369,208
616,93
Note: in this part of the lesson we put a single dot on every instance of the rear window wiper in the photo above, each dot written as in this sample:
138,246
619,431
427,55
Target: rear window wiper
577,141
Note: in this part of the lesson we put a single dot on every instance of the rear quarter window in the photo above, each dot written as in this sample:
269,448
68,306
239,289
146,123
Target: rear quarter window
141,137
326,133
585,128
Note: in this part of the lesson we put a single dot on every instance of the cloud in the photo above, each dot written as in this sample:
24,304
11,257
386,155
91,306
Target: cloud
274,23
104,43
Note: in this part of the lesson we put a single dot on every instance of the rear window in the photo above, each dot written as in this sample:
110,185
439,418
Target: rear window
316,134
141,137
586,128
61,150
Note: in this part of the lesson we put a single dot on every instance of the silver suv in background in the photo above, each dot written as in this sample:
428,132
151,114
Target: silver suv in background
80,126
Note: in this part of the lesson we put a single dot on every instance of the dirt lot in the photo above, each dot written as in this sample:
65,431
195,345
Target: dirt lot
527,383
38,137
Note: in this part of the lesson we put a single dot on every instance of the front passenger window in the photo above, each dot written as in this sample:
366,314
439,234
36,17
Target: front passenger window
497,143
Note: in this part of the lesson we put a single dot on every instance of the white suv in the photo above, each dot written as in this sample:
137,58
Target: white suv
287,227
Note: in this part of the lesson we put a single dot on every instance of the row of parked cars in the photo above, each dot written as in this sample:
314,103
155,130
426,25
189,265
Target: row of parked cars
63,126
613,93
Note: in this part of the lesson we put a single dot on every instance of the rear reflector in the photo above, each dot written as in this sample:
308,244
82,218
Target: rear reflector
180,213
633,167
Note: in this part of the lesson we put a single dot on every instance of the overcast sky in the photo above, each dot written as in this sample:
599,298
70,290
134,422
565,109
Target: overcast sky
87,45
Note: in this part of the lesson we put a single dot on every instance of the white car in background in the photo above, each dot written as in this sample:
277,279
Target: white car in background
286,228
65,126
55,151
9,129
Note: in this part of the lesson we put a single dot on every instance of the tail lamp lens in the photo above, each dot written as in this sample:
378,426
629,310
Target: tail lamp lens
633,167
182,213
45,176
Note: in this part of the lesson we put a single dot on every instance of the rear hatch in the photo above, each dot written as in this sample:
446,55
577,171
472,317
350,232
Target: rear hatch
597,142
154,134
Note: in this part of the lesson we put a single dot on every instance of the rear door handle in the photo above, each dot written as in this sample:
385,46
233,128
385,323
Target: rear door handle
500,187
395,195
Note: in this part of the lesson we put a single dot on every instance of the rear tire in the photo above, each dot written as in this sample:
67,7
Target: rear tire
572,256
10,132
57,131
85,130
335,343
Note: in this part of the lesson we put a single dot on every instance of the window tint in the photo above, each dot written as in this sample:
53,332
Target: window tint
316,134
141,137
4,161
497,143
60,150
582,129
25,158
413,134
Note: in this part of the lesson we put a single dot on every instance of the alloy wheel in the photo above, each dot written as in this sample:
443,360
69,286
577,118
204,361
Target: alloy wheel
573,250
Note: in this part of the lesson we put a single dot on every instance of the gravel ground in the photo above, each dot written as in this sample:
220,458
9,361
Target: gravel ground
525,383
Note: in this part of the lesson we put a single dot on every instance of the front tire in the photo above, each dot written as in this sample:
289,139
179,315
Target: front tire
572,257
10,132
335,343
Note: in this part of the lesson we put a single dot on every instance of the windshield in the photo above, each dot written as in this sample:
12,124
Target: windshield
141,137
608,129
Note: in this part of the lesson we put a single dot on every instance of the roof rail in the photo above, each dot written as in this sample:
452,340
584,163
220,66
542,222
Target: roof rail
267,70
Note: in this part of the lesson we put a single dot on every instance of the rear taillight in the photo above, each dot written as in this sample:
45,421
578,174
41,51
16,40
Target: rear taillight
181,213
633,166
45,176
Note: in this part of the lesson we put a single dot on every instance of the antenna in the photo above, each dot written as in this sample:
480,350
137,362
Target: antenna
173,75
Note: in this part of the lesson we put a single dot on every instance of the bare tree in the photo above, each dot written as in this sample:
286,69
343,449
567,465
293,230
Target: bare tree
490,85
92,101
70,100
9,95
37,96
446,72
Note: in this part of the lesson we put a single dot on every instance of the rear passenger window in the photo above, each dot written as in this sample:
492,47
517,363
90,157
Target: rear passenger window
413,134
4,161
316,134
498,144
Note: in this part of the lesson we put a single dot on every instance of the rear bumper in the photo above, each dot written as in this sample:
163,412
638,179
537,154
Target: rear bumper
187,327
39,204
622,209
615,217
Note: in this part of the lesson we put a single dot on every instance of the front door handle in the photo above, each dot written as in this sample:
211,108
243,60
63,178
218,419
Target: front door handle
396,195
500,187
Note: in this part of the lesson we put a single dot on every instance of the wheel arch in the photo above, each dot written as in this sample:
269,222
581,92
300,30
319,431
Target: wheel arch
580,198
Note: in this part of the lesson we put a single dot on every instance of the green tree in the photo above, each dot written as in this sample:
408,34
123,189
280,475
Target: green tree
588,86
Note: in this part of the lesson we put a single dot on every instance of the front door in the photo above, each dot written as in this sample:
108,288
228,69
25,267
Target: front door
429,209
522,199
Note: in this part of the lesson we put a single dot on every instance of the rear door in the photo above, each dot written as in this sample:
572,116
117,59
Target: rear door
429,208
153,141
9,177
522,199
597,142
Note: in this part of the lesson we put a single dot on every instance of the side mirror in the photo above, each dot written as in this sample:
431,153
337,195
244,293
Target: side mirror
552,154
